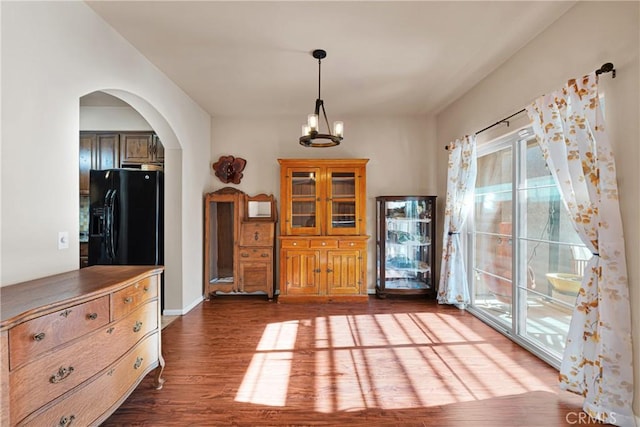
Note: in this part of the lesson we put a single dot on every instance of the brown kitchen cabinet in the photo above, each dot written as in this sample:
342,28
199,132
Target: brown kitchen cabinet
84,254
239,243
140,148
323,245
98,150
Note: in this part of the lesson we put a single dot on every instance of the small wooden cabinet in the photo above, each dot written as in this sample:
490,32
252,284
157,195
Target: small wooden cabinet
140,148
405,235
239,241
323,245
72,355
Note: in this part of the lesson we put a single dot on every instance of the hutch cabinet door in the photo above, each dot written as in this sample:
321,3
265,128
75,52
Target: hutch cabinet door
255,276
344,272
302,199
221,213
344,201
302,272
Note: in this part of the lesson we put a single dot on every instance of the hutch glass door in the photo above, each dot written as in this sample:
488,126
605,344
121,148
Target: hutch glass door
342,202
304,202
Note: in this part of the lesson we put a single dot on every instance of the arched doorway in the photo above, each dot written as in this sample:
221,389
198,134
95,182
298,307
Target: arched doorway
113,112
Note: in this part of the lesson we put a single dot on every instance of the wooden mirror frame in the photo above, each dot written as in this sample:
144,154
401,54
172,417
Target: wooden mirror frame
260,198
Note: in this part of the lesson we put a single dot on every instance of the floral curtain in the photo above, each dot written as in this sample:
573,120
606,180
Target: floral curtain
597,361
461,181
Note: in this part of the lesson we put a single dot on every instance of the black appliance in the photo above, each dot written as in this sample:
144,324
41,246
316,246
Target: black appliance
126,218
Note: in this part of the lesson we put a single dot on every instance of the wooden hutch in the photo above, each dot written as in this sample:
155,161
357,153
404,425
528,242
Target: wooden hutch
323,245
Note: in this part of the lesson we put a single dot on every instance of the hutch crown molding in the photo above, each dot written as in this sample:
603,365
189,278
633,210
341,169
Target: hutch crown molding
323,245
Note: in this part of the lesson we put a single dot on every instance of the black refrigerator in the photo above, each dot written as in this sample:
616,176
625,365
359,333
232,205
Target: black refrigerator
126,218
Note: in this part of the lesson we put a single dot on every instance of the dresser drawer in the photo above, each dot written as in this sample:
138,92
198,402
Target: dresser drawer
324,243
256,234
30,339
88,404
255,254
37,383
294,243
128,299
352,244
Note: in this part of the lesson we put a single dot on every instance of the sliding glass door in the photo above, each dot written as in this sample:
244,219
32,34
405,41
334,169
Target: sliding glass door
527,260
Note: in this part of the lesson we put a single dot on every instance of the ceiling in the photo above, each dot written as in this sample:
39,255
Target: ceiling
253,59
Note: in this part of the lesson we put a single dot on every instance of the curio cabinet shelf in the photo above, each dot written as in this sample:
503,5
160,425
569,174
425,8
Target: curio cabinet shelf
405,256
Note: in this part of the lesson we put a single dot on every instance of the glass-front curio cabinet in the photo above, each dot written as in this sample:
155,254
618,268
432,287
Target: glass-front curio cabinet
405,256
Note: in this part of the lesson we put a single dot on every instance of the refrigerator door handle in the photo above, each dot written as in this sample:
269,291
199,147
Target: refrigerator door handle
110,234
107,223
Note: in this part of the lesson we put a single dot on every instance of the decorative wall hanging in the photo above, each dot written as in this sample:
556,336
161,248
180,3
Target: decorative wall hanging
229,169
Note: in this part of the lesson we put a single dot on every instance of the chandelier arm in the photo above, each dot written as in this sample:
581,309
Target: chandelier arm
326,120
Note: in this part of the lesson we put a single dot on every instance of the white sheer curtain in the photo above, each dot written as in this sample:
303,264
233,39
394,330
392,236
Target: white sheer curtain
597,361
461,179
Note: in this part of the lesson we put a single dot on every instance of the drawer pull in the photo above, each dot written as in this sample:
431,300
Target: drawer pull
62,374
66,421
38,337
110,330
65,313
138,363
324,243
295,243
264,255
146,289
128,300
137,326
351,244
111,371
92,316
244,255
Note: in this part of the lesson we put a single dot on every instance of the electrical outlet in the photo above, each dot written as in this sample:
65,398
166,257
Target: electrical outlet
63,240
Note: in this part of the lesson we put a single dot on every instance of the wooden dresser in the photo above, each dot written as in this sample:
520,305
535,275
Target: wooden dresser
75,345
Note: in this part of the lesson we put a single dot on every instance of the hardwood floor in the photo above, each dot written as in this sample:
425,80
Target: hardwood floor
243,361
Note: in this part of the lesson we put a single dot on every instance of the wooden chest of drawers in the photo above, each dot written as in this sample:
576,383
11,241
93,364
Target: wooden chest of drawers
75,345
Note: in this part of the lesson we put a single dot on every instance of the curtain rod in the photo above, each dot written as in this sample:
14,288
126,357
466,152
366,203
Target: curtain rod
606,68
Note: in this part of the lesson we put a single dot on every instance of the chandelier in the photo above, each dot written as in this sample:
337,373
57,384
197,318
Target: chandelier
311,136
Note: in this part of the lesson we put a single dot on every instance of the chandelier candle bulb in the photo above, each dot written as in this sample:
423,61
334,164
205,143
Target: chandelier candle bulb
306,130
312,120
338,129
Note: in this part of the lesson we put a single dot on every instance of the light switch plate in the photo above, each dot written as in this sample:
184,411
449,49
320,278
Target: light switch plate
63,240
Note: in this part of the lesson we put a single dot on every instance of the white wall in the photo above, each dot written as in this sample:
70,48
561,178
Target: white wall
399,150
52,54
588,35
112,118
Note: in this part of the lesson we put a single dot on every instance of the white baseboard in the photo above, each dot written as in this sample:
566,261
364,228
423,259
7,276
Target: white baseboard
185,310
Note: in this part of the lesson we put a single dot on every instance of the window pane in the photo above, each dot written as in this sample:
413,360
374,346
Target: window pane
493,191
538,248
493,238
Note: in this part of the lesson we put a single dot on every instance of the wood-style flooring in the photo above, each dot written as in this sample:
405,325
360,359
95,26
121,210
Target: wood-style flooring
244,361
